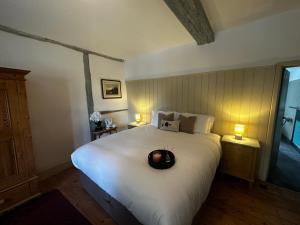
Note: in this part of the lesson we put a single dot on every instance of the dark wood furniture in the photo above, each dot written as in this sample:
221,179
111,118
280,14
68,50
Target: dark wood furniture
18,181
98,133
239,157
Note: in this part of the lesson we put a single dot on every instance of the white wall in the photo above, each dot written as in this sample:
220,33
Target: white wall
262,42
56,95
102,68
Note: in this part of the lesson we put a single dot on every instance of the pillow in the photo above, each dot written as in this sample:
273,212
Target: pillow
203,124
169,125
154,117
187,124
161,116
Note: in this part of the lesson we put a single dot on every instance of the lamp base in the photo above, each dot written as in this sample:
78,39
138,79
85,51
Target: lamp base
238,137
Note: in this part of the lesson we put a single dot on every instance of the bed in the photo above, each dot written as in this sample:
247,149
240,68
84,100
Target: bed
117,165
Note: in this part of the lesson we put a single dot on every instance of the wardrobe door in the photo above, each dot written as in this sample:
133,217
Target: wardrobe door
11,165
24,130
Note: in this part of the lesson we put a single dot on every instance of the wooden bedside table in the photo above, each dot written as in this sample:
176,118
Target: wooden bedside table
97,134
135,124
239,157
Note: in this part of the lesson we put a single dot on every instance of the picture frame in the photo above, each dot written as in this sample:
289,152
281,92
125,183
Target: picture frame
111,89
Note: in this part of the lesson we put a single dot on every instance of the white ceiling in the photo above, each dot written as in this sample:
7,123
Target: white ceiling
126,28
224,14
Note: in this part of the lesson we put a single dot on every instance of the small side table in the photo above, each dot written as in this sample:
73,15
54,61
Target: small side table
135,124
97,134
239,157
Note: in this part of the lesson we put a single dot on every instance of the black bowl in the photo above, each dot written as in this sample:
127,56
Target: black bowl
167,159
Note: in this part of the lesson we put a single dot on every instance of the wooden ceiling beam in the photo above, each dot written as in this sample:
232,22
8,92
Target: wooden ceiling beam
44,39
193,17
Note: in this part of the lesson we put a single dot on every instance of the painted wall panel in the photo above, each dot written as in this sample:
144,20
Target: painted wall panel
233,96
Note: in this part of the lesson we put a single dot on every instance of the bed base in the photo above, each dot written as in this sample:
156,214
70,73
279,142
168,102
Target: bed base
114,208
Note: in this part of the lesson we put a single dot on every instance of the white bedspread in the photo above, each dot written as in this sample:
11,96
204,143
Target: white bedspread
118,164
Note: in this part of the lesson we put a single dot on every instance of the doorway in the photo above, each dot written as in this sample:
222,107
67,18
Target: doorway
285,162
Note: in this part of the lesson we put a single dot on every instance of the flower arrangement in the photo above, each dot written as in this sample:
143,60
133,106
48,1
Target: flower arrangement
95,117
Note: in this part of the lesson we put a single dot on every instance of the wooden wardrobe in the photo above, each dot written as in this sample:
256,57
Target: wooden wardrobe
18,182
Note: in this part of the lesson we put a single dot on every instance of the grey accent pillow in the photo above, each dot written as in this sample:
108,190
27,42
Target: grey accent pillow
162,116
170,125
187,124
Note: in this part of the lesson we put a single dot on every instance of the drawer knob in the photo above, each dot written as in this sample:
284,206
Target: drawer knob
2,201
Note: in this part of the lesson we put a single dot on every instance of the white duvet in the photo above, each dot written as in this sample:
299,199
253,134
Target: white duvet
118,164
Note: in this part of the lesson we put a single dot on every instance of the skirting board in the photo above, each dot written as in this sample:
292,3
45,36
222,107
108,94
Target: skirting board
54,170
19,203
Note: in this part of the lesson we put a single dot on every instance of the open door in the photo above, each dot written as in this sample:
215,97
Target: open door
285,160
279,117
296,131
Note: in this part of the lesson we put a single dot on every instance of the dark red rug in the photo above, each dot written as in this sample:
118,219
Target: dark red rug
49,209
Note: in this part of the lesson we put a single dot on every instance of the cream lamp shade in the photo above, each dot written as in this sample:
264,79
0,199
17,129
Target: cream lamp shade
137,117
239,130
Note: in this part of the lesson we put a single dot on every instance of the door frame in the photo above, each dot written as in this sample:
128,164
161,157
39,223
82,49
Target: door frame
279,73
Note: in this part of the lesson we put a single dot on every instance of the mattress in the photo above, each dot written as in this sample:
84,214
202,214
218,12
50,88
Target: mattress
118,164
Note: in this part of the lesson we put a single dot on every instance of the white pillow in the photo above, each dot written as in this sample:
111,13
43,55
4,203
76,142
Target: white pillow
203,124
154,116
170,125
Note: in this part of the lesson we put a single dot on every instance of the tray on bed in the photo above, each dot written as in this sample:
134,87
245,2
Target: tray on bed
166,161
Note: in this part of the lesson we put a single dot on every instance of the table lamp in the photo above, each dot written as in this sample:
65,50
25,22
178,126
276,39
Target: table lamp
138,117
239,130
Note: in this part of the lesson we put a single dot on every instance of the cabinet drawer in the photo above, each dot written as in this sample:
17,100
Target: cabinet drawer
238,161
11,197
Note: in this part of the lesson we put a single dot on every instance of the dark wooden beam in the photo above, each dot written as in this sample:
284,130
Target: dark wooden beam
112,111
192,16
88,86
44,39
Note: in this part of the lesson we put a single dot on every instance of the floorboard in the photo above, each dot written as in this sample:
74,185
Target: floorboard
231,202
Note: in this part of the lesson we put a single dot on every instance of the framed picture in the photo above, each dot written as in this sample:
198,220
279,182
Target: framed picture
111,89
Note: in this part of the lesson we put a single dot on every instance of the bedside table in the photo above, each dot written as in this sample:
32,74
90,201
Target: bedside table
97,134
239,157
135,124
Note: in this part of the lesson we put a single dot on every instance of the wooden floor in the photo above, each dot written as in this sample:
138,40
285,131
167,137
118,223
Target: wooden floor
230,202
